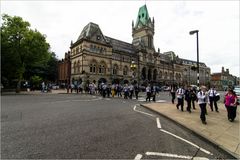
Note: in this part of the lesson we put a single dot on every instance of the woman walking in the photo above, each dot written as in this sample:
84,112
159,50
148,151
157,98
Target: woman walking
202,101
231,104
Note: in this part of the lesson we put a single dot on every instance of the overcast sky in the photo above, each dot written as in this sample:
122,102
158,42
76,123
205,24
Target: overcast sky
217,22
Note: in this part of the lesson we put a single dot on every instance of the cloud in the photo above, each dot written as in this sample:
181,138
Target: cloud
217,22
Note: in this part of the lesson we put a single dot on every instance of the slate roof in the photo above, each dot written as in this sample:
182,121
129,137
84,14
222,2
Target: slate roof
120,45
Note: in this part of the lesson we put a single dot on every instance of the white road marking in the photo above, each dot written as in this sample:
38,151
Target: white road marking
76,100
161,101
158,123
168,155
138,157
186,141
108,99
134,108
141,99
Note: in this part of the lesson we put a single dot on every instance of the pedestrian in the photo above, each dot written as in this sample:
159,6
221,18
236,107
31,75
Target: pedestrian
180,97
173,93
131,90
154,92
119,90
43,86
104,90
202,101
188,98
212,98
108,90
113,90
194,97
136,91
148,92
126,91
230,102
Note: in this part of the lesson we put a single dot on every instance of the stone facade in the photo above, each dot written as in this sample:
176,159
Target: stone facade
223,79
96,57
64,70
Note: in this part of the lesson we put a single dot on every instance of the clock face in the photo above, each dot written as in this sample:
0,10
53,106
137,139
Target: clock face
98,37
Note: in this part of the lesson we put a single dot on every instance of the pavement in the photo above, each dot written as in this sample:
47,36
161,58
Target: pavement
218,130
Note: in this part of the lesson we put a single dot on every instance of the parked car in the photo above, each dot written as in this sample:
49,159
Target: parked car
237,91
55,86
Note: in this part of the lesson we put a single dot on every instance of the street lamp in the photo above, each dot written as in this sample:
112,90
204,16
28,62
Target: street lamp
191,33
133,67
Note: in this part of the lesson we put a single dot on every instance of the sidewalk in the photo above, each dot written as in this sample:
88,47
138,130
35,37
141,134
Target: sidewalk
218,130
57,91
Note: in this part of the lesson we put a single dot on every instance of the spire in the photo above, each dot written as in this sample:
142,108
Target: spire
143,15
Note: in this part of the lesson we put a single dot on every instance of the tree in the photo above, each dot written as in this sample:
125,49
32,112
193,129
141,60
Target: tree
22,48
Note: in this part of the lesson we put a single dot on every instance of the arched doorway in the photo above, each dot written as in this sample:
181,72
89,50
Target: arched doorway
155,74
144,74
149,74
102,80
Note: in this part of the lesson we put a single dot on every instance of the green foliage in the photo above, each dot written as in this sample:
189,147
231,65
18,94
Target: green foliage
36,80
25,52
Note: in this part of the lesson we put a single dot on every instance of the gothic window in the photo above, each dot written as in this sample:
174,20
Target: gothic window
160,74
92,67
78,66
74,67
77,50
166,75
125,70
115,68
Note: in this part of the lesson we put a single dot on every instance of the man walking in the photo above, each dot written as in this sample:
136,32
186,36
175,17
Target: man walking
212,95
148,92
180,95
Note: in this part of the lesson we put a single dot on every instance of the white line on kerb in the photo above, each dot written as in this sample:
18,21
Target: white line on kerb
158,123
134,108
186,141
138,157
168,155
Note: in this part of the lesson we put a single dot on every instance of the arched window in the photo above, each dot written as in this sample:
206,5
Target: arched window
115,68
92,66
166,75
78,66
74,67
125,70
160,74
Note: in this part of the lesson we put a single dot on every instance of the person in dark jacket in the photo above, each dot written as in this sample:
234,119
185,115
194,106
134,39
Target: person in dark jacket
188,98
173,93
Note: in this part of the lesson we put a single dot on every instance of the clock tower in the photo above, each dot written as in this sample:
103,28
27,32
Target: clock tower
143,30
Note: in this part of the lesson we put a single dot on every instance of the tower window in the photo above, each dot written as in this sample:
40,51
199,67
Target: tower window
143,15
139,16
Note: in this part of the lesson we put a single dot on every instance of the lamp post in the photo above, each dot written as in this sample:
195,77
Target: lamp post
133,67
191,33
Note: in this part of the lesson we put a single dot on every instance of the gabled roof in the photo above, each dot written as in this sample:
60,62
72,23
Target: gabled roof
120,45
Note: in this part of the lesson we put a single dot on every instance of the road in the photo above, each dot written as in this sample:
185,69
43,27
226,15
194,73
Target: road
71,126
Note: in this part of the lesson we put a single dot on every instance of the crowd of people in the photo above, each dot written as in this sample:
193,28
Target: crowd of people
204,97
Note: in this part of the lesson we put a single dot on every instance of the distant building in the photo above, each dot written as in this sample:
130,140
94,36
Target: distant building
223,79
64,70
98,58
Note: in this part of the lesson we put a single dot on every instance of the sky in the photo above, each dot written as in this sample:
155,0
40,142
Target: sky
217,22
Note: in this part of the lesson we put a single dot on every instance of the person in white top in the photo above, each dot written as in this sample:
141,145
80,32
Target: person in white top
202,101
148,91
180,95
212,98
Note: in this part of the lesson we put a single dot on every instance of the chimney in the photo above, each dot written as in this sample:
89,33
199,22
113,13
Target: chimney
227,70
222,69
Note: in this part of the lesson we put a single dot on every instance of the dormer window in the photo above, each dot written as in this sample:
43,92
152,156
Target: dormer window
98,37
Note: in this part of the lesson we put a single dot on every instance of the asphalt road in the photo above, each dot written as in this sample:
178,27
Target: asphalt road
71,126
